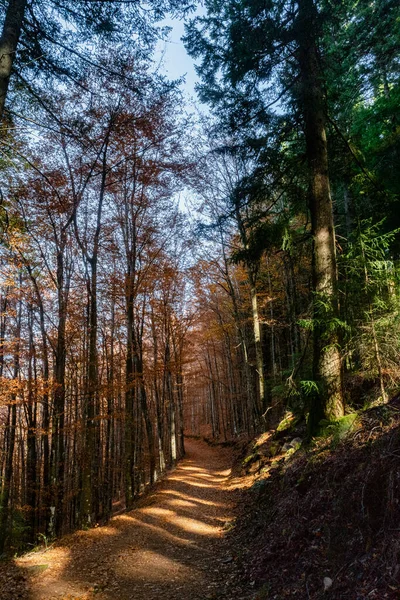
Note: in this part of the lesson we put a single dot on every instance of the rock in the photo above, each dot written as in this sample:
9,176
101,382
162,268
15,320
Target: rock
327,583
286,447
289,453
254,468
296,443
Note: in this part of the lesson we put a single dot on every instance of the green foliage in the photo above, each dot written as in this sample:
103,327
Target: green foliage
307,324
370,283
339,428
308,388
17,529
249,459
262,237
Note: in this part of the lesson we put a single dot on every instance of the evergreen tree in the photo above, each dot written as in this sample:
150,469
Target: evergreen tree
257,55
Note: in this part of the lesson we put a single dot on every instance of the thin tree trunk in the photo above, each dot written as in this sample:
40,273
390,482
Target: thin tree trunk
373,329
170,402
45,491
57,442
129,396
8,472
90,479
31,459
159,399
110,437
271,312
145,412
258,345
252,412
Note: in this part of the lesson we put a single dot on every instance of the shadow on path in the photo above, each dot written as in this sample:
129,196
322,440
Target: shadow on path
168,547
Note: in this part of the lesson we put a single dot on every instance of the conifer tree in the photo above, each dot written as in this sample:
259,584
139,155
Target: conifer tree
256,55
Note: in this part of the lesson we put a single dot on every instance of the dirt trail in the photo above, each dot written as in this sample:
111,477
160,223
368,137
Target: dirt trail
170,547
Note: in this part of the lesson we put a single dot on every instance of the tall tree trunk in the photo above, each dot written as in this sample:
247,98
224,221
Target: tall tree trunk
328,401
158,398
377,351
3,324
45,492
145,413
8,45
258,344
129,395
91,488
88,474
45,423
110,437
251,269
272,326
12,426
250,412
178,351
31,459
170,401
57,442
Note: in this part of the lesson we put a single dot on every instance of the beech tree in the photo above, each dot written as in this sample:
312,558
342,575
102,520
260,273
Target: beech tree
93,198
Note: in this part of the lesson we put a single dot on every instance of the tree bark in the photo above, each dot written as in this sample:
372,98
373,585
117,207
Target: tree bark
90,476
57,442
328,400
8,45
129,393
12,426
31,458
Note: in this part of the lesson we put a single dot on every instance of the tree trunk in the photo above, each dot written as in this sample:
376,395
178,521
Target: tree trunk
146,416
31,459
110,437
12,426
258,345
327,401
57,442
129,396
45,492
158,398
8,45
250,411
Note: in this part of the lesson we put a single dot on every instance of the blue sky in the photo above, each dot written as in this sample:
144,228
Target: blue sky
176,60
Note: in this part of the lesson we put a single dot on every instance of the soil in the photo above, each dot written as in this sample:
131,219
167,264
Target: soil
280,521
172,546
323,522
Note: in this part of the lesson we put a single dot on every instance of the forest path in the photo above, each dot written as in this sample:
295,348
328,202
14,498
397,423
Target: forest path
170,547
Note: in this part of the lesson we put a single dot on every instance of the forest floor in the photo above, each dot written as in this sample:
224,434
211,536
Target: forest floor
172,546
269,519
322,521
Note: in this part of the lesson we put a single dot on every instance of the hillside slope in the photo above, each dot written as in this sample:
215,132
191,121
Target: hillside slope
323,522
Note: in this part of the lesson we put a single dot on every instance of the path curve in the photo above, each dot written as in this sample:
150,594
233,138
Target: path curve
170,547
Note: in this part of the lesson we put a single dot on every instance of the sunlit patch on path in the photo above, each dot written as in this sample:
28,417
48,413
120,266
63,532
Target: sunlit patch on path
168,548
